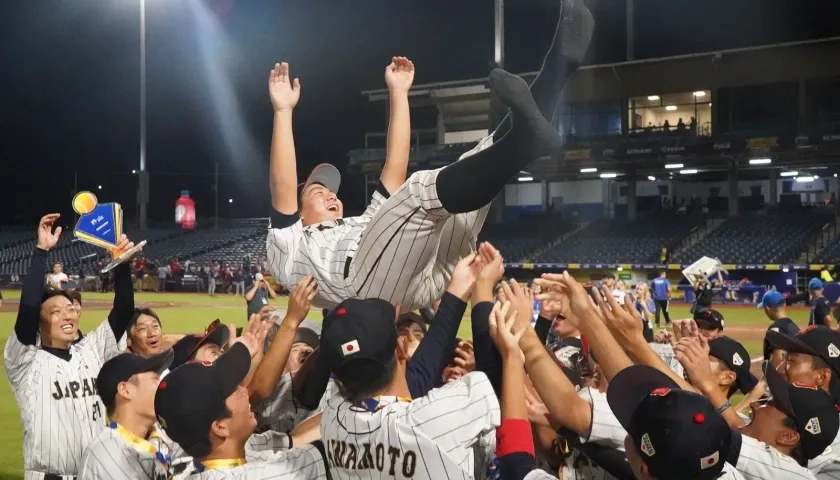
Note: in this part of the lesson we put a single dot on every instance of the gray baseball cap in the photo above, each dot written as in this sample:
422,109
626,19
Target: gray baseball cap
325,174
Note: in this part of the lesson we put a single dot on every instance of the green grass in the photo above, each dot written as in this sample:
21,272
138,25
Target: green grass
203,309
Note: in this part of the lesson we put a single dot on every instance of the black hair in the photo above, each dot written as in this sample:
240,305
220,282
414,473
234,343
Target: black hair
362,379
50,292
142,311
75,296
797,453
203,448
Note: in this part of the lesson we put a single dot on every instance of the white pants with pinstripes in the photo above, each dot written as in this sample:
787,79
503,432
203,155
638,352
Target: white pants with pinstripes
411,245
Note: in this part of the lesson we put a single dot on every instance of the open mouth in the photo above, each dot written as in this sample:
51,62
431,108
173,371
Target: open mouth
333,208
154,343
67,328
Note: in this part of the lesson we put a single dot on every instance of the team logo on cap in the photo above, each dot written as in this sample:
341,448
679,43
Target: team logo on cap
660,392
350,348
775,329
833,351
813,426
710,461
647,446
737,360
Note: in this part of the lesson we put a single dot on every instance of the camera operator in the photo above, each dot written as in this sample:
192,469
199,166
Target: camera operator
259,294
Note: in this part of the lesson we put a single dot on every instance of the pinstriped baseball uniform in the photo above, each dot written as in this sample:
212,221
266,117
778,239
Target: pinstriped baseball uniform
59,406
403,248
305,463
604,430
278,411
759,461
729,473
827,465
429,438
113,455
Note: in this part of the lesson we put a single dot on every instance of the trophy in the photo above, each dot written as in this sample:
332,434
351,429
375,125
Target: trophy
101,225
703,269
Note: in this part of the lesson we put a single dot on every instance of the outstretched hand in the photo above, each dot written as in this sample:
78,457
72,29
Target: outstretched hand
284,92
464,276
254,334
504,332
399,75
47,237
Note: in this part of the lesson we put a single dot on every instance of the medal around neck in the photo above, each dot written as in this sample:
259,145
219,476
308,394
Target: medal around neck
101,224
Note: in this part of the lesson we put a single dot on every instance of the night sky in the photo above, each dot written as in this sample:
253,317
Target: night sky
70,81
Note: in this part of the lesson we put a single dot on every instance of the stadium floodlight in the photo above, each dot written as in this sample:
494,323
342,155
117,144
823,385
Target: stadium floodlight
609,175
789,174
99,187
671,108
652,178
230,200
672,166
690,171
835,175
804,179
653,98
760,161
699,93
588,170
526,179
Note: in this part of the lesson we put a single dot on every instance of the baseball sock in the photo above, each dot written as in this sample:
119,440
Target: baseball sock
474,181
569,46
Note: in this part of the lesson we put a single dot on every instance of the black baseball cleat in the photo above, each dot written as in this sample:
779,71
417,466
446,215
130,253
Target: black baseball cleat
574,32
528,123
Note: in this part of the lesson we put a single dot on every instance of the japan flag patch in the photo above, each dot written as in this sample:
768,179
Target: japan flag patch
737,360
647,446
350,348
813,426
710,461
833,351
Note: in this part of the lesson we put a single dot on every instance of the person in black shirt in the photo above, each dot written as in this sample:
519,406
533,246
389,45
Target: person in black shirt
703,295
773,304
257,297
710,323
820,307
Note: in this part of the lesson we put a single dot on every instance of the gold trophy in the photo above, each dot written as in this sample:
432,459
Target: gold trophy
101,225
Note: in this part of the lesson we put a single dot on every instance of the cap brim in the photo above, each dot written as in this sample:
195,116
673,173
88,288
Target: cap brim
233,366
760,305
627,390
325,174
158,363
788,344
779,391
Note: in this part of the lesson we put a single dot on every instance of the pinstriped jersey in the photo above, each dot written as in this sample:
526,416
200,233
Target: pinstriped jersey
759,461
319,250
279,411
110,456
605,430
728,473
59,406
827,465
305,463
431,437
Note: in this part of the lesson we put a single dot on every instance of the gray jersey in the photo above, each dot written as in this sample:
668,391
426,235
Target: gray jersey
759,461
431,437
279,411
119,454
604,430
827,465
305,463
59,406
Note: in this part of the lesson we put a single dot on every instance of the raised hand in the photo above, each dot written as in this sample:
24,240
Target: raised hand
47,238
522,300
621,321
122,246
563,292
464,356
693,354
254,335
505,336
464,276
284,92
494,267
300,301
399,75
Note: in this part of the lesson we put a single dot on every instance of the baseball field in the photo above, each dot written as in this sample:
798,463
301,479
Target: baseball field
190,313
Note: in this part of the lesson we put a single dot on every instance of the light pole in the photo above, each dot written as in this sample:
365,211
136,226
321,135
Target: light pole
143,189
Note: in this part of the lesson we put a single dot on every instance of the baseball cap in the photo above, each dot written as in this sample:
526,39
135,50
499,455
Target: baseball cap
193,395
815,284
813,411
307,336
711,319
358,330
258,277
772,299
817,340
325,174
124,366
185,348
737,359
679,433
407,319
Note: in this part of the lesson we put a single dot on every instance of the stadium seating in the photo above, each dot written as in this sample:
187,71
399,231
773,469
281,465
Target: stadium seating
622,241
518,240
831,254
769,237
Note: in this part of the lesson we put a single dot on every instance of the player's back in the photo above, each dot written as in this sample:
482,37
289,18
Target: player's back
428,438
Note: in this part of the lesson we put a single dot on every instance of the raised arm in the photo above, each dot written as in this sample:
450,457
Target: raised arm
123,308
29,310
398,76
284,95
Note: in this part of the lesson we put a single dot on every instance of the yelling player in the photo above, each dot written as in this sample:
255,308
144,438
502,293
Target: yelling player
54,382
404,246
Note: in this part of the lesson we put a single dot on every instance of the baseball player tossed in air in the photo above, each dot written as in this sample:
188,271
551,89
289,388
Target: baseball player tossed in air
406,243
127,385
54,383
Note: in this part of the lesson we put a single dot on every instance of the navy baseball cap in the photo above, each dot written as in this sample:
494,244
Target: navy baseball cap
709,320
193,395
813,411
772,299
124,366
185,348
816,284
679,433
356,332
737,359
816,340
325,174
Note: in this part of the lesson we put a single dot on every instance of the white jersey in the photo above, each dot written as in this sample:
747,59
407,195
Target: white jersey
403,248
279,411
729,473
827,465
116,453
59,406
305,463
759,461
605,430
431,437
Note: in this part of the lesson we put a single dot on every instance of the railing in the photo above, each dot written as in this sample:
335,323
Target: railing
822,239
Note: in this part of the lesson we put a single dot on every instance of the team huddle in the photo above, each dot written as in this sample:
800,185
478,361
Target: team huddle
585,389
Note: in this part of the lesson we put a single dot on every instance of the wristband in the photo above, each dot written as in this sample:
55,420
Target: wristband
723,407
514,436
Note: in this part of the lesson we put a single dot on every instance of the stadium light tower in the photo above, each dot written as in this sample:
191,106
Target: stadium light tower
143,178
